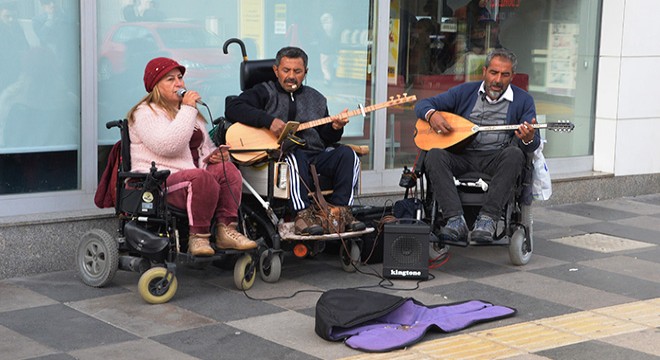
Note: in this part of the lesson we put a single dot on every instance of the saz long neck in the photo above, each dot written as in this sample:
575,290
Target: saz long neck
325,120
507,127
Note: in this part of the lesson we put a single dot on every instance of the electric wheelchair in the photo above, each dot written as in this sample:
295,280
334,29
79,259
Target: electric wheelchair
151,235
514,228
265,205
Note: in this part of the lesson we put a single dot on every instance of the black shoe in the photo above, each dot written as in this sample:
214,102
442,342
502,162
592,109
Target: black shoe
456,231
484,229
355,225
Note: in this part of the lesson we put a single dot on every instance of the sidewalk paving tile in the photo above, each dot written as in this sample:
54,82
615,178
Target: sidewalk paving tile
590,291
131,313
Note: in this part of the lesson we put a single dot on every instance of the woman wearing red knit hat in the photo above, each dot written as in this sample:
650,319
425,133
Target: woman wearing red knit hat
167,128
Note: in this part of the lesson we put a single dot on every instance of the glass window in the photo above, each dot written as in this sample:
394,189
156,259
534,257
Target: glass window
335,34
433,44
39,96
442,43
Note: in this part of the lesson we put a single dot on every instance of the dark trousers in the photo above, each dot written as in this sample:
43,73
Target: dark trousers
340,164
504,167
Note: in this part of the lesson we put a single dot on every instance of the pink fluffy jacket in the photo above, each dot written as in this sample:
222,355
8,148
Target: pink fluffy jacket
154,137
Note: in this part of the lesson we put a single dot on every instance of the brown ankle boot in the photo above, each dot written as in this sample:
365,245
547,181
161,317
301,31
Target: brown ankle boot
198,245
351,223
229,238
307,223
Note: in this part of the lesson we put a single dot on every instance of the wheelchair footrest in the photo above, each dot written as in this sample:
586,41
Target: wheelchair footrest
286,231
456,243
501,242
435,239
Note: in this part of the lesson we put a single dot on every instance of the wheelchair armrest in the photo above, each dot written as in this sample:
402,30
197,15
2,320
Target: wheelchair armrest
132,174
160,175
148,179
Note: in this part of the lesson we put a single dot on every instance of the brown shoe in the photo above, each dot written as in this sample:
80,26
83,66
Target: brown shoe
306,223
229,238
198,245
351,224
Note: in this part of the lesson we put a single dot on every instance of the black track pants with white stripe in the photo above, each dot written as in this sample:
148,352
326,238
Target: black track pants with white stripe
340,164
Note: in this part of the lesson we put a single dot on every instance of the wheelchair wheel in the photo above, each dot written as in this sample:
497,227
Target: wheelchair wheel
244,272
520,246
270,265
350,259
97,258
157,286
519,251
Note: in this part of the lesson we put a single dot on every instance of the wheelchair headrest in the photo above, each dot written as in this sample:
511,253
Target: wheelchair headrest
254,72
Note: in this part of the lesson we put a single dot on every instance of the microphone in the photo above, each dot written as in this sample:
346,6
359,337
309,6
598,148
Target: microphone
183,91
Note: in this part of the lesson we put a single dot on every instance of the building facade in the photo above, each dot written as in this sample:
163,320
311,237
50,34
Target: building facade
70,66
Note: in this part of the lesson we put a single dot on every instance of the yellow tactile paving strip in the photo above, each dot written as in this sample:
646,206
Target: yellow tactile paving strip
463,347
637,312
534,336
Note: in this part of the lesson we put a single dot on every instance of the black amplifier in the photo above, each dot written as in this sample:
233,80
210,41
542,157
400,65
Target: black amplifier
406,250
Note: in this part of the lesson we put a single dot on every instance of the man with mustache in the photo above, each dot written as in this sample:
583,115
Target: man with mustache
500,154
270,105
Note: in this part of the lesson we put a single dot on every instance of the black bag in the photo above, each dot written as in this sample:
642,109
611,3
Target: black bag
407,208
348,307
372,243
377,322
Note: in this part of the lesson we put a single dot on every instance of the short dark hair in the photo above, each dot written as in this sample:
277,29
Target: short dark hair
505,53
291,52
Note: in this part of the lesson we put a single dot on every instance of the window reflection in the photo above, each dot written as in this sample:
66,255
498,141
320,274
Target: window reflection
39,96
336,36
442,43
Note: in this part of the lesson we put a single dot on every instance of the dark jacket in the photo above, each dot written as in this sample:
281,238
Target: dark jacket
460,100
261,104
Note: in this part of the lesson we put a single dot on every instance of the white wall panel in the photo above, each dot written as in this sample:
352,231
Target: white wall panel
641,30
637,147
607,97
638,87
611,32
605,144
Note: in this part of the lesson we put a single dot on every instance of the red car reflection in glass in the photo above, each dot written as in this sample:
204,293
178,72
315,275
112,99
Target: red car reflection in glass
127,47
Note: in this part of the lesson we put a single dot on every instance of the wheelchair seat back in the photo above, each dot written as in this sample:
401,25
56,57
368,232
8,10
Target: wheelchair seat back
125,164
253,72
139,194
135,196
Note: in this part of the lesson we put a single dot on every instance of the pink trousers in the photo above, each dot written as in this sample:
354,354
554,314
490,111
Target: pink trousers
205,194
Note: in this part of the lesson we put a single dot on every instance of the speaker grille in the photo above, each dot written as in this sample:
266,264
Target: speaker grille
406,250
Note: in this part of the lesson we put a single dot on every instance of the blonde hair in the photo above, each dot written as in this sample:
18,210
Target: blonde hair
155,98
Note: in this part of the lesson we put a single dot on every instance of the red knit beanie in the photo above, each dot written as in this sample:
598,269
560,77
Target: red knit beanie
157,68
